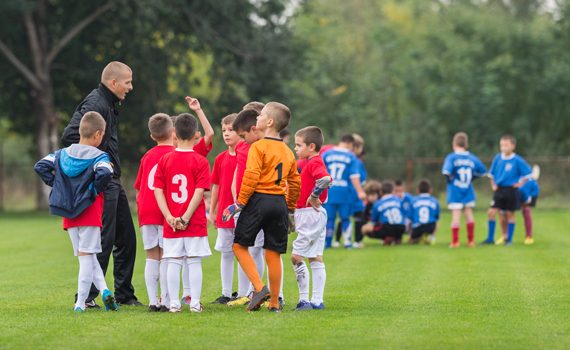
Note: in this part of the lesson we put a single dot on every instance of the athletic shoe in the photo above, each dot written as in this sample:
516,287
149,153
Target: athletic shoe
234,295
185,300
454,245
358,245
78,309
528,241
335,244
508,243
471,244
175,309
92,305
131,302
221,300
303,306
163,308
258,298
347,245
241,301
198,309
153,308
320,306
109,301
487,242
500,241
281,302
274,309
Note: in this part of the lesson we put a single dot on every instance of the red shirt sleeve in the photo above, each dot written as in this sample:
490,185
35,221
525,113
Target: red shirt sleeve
159,176
202,149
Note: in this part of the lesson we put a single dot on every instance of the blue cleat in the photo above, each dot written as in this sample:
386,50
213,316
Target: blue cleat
487,242
320,306
78,310
303,306
508,243
109,301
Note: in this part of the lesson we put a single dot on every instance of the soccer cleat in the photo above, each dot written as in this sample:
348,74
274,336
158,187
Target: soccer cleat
487,242
508,243
221,300
347,245
241,301
78,309
358,245
175,309
258,298
335,244
131,302
92,305
281,302
153,308
109,301
274,309
528,241
320,306
304,306
185,300
454,245
471,244
500,241
198,309
163,308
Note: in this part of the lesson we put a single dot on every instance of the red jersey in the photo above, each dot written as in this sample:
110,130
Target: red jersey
223,175
242,149
92,216
179,174
313,170
147,209
201,147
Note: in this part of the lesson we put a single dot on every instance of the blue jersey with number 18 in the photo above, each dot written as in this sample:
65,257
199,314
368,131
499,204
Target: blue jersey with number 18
387,210
342,165
461,168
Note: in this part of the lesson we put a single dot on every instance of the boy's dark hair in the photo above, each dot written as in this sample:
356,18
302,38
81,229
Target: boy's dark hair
256,106
347,138
510,138
160,126
311,134
90,123
373,187
398,183
424,186
461,139
280,114
186,126
229,119
284,133
245,120
387,187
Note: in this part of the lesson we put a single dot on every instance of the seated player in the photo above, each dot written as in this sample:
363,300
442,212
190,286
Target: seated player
387,218
425,210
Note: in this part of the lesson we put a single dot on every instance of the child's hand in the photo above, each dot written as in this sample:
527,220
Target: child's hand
230,211
314,202
193,103
171,221
181,224
361,195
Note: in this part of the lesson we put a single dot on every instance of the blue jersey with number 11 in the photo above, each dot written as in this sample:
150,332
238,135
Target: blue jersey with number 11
461,168
342,165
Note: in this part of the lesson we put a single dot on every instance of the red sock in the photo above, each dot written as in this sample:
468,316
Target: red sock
470,231
527,214
455,234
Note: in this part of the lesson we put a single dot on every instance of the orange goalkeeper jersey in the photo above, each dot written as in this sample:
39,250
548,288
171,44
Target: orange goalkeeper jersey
271,168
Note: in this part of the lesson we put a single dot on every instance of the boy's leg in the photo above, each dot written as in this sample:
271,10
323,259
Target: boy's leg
470,224
274,268
319,279
173,279
98,276
491,214
248,265
195,276
331,217
185,283
359,221
302,276
84,280
510,227
455,224
243,283
227,272
164,297
344,211
527,215
152,266
504,224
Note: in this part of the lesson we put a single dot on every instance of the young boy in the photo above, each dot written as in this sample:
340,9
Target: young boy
181,178
342,165
387,217
425,212
269,190
508,173
310,219
78,176
528,196
460,168
221,180
150,217
407,198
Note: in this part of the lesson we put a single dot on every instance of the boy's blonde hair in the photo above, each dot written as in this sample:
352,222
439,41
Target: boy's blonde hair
254,105
461,139
160,126
90,123
229,119
511,138
280,114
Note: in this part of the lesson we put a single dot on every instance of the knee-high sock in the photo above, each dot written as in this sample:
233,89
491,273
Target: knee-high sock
282,274
195,276
185,280
227,271
151,276
243,283
273,260
84,279
98,276
527,214
510,231
164,299
491,231
347,230
257,255
319,280
455,234
248,265
302,274
173,280
470,231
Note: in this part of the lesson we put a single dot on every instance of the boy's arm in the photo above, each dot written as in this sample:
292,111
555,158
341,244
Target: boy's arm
293,187
526,172
103,173
251,175
45,169
163,206
320,186
194,105
234,186
214,203
197,198
355,179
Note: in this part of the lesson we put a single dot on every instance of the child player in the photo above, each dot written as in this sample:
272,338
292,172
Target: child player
181,178
425,213
78,176
267,199
407,198
310,219
508,173
460,168
387,218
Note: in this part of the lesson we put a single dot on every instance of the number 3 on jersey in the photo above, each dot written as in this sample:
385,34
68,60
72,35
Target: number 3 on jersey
182,195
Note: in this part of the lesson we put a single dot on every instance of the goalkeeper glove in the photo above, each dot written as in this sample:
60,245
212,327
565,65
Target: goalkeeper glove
230,211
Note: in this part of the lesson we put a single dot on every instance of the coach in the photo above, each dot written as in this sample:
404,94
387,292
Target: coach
118,233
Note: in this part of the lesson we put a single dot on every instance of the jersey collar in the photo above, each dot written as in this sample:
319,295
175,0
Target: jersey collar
503,157
183,150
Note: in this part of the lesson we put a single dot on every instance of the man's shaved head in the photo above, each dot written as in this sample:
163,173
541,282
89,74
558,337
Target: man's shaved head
114,70
118,78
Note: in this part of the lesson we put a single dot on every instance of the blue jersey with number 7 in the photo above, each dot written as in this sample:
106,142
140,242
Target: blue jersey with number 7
461,168
343,166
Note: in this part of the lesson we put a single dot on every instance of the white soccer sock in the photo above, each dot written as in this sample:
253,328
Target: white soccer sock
185,279
164,299
259,258
302,274
347,234
243,283
319,279
151,276
227,270
173,281
98,276
84,279
195,276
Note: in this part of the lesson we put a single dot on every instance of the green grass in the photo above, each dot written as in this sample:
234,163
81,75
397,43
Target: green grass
378,297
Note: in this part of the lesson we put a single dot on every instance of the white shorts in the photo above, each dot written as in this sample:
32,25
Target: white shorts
152,236
311,227
259,240
190,247
459,206
85,239
225,240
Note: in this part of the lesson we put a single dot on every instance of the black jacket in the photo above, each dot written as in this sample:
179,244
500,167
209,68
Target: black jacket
100,100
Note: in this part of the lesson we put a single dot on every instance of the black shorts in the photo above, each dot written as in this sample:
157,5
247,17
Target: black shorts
506,198
386,230
421,230
265,212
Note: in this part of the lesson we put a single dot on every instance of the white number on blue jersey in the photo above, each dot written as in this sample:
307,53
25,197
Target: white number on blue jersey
182,182
394,216
424,215
465,175
337,169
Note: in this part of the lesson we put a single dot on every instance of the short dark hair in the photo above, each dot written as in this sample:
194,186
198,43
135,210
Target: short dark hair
347,138
387,187
398,183
373,187
256,106
424,186
245,120
461,139
186,126
311,134
510,138
280,114
160,126
229,119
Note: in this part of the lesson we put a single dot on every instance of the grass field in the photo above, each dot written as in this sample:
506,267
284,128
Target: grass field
379,297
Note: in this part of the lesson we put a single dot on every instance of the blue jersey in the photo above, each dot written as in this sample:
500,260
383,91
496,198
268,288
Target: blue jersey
425,209
388,210
358,205
529,190
507,171
407,200
342,165
461,168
